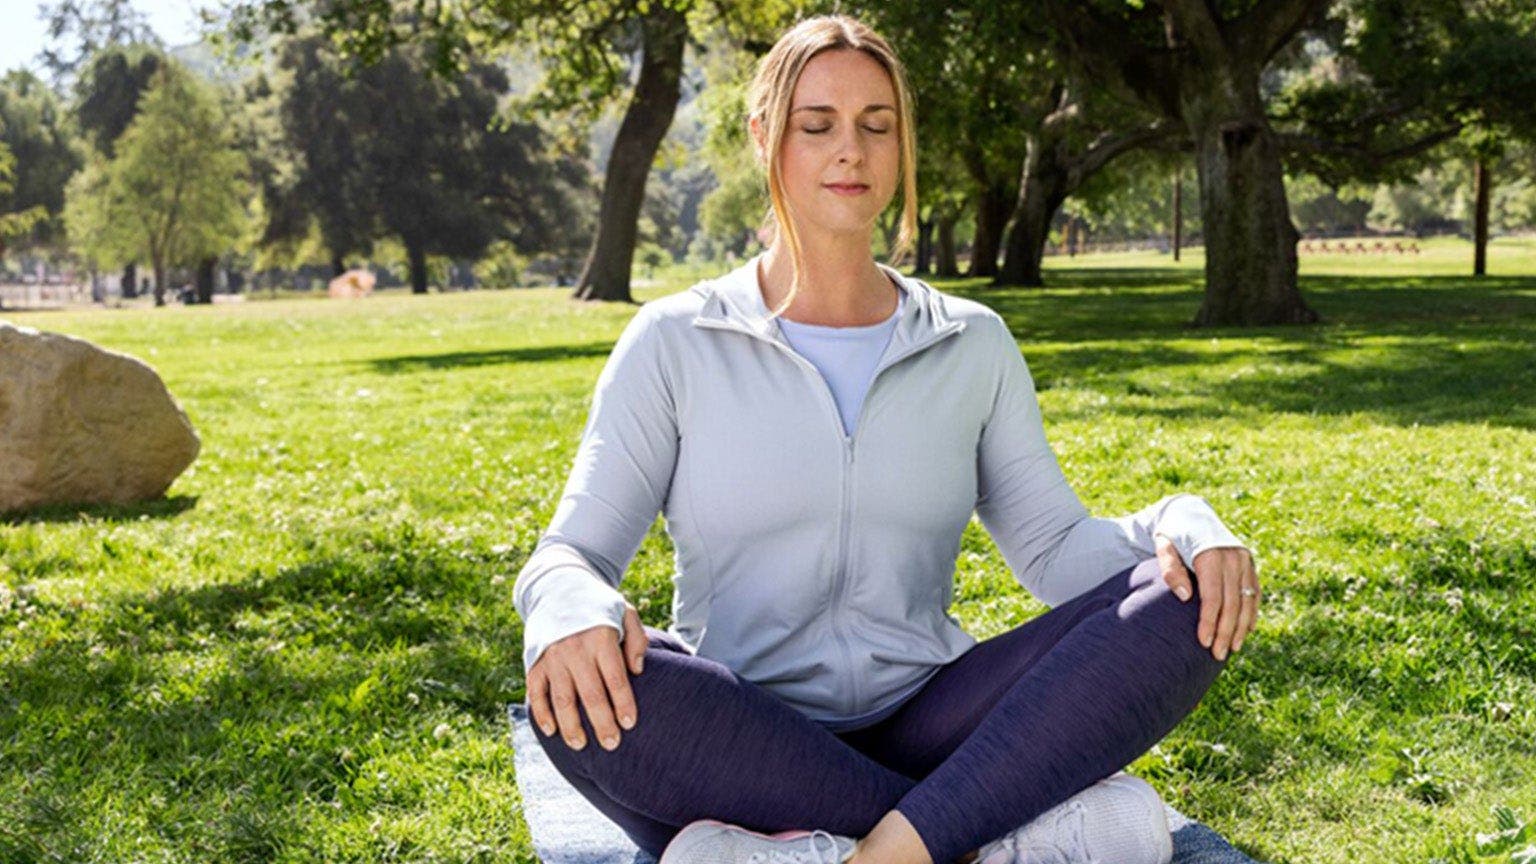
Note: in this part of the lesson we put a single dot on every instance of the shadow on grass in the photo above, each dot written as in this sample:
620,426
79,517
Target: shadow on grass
1407,350
1388,670
467,359
159,508
231,708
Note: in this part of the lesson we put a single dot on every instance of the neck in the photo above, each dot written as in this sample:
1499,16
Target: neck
840,283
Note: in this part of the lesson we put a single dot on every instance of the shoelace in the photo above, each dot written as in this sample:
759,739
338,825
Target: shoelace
789,856
1069,826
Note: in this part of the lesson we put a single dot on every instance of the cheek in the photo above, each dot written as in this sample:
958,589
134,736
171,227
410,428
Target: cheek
888,157
799,165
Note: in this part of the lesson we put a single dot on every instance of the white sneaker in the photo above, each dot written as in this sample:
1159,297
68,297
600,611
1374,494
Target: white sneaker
708,841
1118,820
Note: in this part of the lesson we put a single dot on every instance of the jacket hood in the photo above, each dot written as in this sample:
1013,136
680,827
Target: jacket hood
735,300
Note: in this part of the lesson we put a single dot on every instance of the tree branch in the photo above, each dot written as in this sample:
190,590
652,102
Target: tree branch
1296,143
1270,24
1113,55
1199,25
1110,144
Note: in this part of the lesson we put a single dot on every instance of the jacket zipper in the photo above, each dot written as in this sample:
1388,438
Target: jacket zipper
845,523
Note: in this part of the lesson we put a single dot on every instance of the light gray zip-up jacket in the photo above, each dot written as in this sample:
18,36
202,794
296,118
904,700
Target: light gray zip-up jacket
817,564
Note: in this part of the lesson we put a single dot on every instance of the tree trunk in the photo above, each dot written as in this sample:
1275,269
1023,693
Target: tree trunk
417,255
1250,243
991,214
1178,211
944,248
1042,190
1480,220
205,279
338,265
605,275
159,266
924,247
130,281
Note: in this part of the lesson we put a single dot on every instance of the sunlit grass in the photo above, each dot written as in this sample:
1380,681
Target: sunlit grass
304,653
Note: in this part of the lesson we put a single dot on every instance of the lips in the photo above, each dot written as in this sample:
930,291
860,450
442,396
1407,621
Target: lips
847,188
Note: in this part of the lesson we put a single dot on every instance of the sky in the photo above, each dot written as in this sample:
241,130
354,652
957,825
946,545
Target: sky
21,30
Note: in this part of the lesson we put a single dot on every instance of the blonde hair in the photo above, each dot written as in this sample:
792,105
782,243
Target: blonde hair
769,98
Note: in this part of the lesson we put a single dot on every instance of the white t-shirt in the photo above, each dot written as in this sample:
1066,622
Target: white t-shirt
845,356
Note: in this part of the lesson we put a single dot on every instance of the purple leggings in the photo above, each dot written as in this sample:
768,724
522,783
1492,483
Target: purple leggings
1013,727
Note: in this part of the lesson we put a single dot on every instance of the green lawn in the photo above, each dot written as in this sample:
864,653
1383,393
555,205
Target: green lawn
304,652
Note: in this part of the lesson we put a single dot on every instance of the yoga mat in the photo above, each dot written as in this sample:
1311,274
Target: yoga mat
566,829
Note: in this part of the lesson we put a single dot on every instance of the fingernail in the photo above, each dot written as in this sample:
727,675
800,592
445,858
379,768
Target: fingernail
611,742
1182,591
639,665
627,722
577,743
548,730
1221,653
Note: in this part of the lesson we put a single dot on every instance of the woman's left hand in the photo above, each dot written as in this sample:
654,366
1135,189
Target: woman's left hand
1229,593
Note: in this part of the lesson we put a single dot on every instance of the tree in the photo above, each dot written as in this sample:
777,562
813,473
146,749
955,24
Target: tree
390,148
107,86
1066,149
175,190
663,34
14,222
108,89
1393,88
972,74
1200,65
450,185
996,101
322,116
32,128
584,44
94,26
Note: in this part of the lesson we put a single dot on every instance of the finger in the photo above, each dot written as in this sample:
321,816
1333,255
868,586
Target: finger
1210,603
1175,574
1231,607
616,679
562,694
635,640
1250,615
594,698
538,703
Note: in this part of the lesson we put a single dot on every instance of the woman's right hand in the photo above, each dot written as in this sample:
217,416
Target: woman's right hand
589,664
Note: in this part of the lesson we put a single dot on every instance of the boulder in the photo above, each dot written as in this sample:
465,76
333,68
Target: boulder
83,425
352,284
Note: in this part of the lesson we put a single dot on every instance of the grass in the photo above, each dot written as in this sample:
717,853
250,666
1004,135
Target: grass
304,652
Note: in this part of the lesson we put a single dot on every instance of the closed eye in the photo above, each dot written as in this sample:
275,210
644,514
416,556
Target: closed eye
822,129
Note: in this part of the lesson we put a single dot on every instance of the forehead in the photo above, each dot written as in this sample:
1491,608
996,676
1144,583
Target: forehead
845,76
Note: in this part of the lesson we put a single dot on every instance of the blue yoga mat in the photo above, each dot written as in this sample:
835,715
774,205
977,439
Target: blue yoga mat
566,829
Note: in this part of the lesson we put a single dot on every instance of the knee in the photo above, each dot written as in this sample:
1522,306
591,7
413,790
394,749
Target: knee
1177,621
653,690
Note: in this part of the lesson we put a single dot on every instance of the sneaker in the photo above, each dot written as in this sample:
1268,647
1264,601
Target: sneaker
710,842
1118,820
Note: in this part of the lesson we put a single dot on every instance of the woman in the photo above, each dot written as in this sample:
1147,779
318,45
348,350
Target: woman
818,430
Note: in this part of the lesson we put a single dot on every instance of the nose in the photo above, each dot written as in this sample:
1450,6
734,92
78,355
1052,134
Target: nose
850,146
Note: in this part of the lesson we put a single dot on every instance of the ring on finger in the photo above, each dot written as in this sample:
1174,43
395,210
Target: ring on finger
1248,592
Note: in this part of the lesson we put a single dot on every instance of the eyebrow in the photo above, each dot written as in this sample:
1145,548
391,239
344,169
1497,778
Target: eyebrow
828,109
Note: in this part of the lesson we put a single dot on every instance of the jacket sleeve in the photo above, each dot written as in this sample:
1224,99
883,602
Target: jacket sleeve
618,483
1053,547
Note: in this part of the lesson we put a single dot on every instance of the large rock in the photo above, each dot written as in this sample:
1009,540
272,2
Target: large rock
80,424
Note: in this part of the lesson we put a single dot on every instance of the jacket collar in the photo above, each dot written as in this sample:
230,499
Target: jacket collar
735,302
